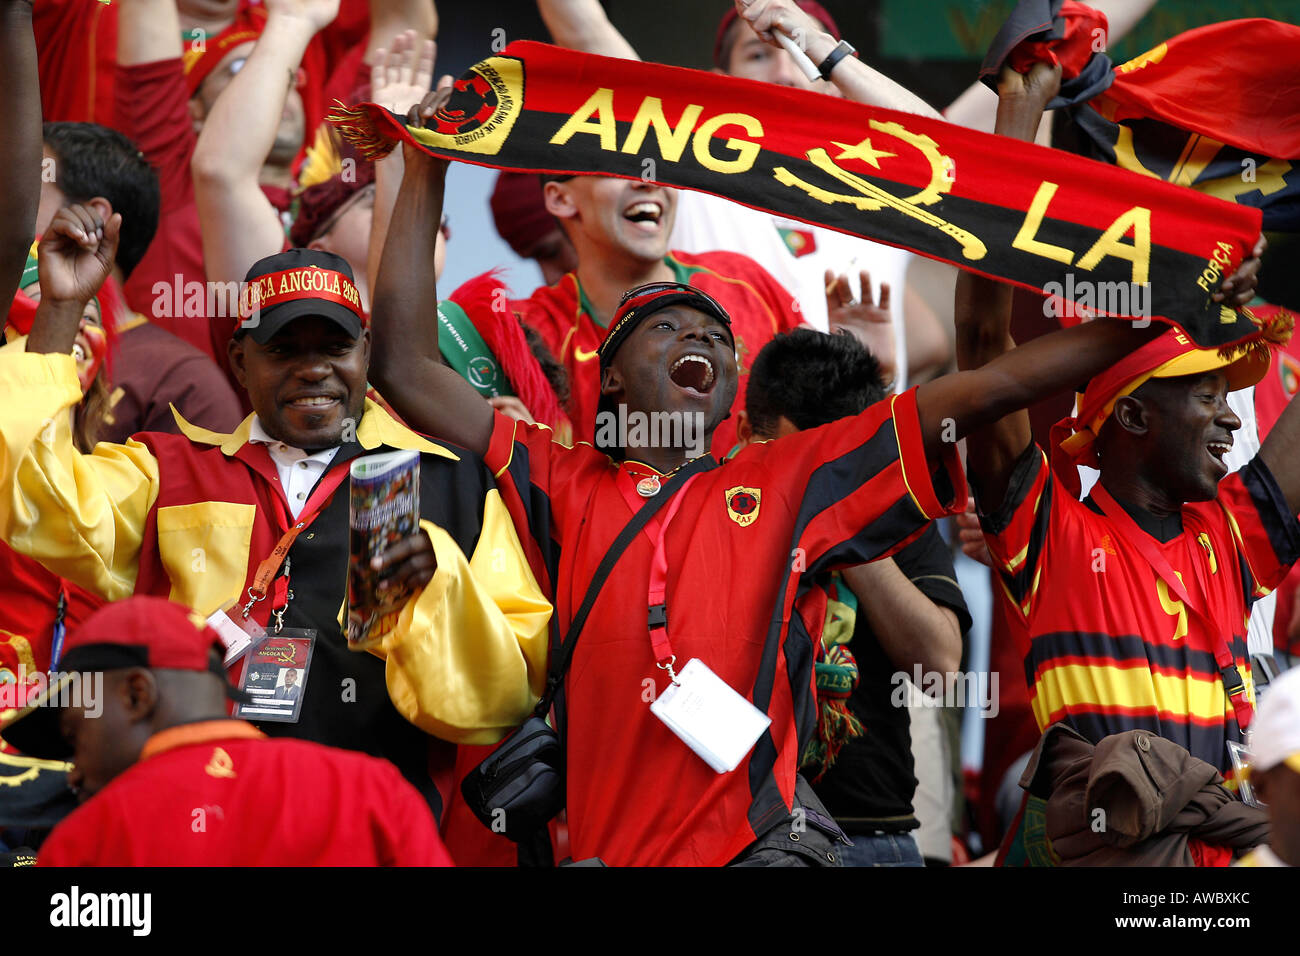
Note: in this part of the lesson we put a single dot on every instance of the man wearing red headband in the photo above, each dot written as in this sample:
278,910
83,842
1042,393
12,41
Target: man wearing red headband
722,573
166,779
254,526
1134,600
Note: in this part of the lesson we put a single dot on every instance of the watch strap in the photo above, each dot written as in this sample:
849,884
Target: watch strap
842,49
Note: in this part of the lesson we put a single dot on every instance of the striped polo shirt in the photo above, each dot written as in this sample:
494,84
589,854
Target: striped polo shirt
1108,647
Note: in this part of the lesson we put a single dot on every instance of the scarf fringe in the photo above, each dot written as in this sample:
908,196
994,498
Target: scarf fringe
1274,331
357,126
836,727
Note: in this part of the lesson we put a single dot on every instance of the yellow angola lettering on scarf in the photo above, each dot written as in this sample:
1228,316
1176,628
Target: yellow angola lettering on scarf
595,117
1136,219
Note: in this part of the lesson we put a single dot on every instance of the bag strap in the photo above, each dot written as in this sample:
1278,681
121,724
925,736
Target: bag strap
625,537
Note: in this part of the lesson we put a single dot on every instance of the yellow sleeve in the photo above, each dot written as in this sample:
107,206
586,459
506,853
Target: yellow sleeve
467,660
81,516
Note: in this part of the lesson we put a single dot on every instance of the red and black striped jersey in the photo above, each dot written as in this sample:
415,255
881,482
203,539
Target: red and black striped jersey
743,551
1110,648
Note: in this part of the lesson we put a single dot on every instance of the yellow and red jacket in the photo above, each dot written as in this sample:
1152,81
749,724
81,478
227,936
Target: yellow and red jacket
190,516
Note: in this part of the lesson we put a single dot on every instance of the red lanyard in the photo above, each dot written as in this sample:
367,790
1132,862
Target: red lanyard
270,565
658,617
1231,676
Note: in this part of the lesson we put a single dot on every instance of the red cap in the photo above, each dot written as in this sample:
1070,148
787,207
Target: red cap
519,211
810,7
644,301
137,632
141,632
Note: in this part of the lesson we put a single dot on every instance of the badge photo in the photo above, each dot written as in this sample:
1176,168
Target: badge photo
275,676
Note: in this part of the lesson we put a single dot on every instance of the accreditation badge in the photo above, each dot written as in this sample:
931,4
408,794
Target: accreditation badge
702,709
275,675
1240,755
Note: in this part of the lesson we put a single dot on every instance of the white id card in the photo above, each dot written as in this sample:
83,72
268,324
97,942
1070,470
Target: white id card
709,717
235,637
1241,756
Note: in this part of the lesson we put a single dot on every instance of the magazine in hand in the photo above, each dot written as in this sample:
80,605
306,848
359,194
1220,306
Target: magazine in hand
385,510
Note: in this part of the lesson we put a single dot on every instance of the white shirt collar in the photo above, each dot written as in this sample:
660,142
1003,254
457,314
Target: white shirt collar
256,433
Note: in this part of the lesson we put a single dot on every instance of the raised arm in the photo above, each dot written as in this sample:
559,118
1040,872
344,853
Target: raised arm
405,363
957,405
81,516
399,79
853,78
239,223
583,25
147,31
20,141
388,18
400,52
982,313
76,256
977,104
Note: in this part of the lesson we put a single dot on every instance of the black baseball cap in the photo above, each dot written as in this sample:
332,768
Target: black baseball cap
640,303
297,283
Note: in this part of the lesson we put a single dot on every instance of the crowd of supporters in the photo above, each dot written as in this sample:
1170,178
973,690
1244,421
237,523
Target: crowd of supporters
789,541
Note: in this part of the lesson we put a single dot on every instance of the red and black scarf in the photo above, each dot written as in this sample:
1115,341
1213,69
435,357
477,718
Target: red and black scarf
1003,208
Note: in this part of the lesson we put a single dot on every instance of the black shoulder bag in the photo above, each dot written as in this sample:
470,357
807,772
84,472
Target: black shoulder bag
520,786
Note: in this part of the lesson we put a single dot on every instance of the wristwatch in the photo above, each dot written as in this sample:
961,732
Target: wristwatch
842,49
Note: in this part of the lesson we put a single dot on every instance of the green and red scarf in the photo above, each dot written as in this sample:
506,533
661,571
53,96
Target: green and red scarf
835,676
1010,210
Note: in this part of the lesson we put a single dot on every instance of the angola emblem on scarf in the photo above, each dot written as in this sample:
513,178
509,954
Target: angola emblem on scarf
482,110
742,504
